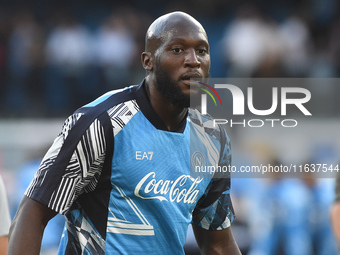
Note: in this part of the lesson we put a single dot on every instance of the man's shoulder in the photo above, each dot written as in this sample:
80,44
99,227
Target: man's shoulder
114,96
107,101
210,127
204,120
87,114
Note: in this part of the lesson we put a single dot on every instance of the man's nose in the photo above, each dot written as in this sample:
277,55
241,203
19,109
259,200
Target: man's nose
191,59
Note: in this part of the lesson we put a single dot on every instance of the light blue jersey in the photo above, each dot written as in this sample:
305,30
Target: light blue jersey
124,182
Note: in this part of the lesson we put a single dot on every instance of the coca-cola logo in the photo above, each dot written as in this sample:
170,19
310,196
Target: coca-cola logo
183,189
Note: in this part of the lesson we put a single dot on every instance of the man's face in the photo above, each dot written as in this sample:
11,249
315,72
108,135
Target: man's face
184,54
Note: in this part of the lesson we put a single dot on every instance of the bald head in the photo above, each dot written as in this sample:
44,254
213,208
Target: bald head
167,25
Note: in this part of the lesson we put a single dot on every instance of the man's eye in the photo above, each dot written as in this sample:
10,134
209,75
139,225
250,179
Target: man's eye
202,51
177,50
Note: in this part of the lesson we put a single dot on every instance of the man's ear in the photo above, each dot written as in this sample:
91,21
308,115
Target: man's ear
147,61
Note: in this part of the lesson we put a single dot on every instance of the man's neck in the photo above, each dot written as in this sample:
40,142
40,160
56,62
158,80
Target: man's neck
171,115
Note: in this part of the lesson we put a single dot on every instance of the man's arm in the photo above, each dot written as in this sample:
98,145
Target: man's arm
28,226
3,245
335,220
216,242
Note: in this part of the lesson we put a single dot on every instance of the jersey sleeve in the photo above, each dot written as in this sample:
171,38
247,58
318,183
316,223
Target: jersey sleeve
214,210
71,166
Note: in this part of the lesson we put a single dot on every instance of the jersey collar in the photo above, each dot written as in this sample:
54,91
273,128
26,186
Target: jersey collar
146,108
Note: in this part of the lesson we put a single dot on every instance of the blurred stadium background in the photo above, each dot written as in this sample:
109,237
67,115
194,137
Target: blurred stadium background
58,55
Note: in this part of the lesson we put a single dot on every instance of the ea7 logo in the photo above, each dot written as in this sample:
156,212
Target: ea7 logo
238,100
141,155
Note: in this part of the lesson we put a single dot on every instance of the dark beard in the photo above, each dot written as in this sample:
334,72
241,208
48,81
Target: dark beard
171,91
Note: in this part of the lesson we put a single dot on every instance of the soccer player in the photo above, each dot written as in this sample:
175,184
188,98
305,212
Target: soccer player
120,169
